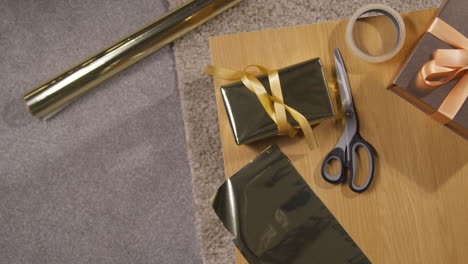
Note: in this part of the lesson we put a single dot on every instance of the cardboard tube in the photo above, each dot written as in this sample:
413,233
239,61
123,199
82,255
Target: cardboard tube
52,96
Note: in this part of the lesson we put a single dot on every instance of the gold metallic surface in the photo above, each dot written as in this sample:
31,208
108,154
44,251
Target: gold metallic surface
52,96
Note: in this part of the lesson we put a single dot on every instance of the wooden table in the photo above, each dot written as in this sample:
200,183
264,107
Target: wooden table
415,211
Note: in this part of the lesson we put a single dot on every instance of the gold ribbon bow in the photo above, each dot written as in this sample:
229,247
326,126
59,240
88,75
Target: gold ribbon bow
447,65
273,104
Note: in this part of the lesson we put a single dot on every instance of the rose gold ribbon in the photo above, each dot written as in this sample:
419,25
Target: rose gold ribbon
448,64
273,104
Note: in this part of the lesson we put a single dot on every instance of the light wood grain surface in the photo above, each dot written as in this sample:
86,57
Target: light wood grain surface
416,209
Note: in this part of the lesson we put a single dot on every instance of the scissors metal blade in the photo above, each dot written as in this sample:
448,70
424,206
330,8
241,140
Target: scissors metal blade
343,83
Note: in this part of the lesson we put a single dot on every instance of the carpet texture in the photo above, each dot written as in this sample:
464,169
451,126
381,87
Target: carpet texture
198,102
107,180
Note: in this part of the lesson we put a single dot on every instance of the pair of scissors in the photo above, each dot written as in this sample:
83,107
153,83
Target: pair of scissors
345,152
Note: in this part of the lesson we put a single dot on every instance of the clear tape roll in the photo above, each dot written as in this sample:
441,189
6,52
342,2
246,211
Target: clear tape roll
385,10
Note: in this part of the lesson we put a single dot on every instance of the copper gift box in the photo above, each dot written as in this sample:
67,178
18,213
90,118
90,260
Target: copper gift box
429,99
304,89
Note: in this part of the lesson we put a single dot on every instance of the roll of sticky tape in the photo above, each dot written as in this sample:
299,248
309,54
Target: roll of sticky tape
385,10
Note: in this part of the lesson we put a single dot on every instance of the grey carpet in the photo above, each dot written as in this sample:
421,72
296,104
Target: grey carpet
107,180
198,103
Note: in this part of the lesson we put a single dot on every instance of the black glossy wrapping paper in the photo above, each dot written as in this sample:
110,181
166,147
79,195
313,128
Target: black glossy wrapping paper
304,89
277,219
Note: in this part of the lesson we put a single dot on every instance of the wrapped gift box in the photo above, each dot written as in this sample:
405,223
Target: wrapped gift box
304,89
409,84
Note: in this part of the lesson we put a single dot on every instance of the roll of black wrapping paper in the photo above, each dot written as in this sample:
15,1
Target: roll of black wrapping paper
275,217
52,96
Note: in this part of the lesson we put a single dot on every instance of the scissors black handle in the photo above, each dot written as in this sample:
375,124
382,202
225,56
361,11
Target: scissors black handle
349,163
358,142
339,155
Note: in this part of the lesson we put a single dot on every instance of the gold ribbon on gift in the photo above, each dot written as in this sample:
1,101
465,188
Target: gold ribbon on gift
273,104
448,64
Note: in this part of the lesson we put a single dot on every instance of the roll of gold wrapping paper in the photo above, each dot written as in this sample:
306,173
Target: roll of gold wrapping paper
52,96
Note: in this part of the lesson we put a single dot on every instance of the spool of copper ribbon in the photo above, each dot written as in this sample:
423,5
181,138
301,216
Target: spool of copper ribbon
50,97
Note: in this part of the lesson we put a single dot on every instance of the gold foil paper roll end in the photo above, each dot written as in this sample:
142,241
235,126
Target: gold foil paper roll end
44,101
29,100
